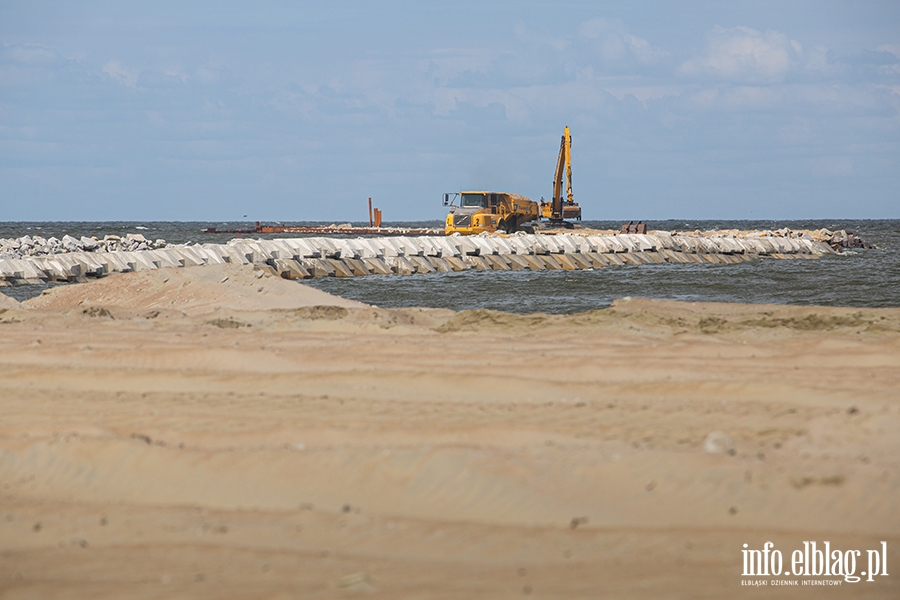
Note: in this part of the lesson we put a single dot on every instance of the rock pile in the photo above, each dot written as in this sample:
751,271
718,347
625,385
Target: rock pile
842,239
838,240
37,246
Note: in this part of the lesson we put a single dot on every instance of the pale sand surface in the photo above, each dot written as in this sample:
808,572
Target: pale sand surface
7,302
157,448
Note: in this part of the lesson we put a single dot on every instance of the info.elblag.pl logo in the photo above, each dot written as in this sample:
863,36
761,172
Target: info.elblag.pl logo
813,560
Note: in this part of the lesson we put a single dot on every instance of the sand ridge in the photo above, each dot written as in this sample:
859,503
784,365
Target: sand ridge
193,290
6,302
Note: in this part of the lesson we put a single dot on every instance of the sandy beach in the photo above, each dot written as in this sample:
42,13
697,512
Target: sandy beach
218,432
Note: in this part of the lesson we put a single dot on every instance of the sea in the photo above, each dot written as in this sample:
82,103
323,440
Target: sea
856,278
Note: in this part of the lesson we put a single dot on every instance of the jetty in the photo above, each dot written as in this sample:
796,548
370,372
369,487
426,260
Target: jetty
307,257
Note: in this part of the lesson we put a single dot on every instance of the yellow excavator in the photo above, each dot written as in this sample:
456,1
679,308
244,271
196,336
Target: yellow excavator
558,210
478,211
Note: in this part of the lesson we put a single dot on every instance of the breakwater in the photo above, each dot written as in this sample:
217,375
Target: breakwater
307,257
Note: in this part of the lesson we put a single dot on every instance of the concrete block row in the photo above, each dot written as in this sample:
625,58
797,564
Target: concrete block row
299,258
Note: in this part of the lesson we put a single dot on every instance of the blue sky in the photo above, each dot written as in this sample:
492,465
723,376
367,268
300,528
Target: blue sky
300,111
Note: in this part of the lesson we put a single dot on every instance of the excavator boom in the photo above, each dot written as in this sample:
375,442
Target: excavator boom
559,209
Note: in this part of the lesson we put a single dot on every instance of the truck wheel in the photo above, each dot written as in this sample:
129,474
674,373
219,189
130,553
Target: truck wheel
511,225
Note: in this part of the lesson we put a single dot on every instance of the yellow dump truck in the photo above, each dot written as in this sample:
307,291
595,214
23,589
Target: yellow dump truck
478,212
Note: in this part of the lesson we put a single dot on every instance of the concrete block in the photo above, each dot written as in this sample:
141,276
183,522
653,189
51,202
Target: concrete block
301,248
540,247
503,245
550,243
32,271
582,244
629,258
476,262
52,269
456,263
211,256
533,262
595,259
599,244
289,268
339,268
390,247
439,264
377,266
446,248
671,256
467,247
115,262
616,244
495,262
189,259
663,239
752,246
516,263
565,262
356,266
547,262
428,245
6,269
421,265
645,243
143,262
363,249
325,247
400,265
345,249
317,267
687,244
285,250
580,261
163,258
269,249
520,245
485,246
565,244
89,264
629,242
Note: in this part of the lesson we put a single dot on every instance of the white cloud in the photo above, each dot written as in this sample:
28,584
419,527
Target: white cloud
176,72
745,55
124,75
892,48
31,53
612,43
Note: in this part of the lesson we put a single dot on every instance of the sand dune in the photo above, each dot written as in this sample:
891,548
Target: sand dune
7,302
192,291
332,451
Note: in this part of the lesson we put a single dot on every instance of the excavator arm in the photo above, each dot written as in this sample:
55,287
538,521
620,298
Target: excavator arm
563,169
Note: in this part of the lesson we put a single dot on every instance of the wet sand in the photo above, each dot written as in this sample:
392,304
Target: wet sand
165,445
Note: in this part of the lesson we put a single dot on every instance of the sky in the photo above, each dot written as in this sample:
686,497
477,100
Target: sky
300,111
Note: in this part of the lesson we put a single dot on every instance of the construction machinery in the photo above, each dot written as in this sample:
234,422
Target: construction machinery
478,212
558,209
